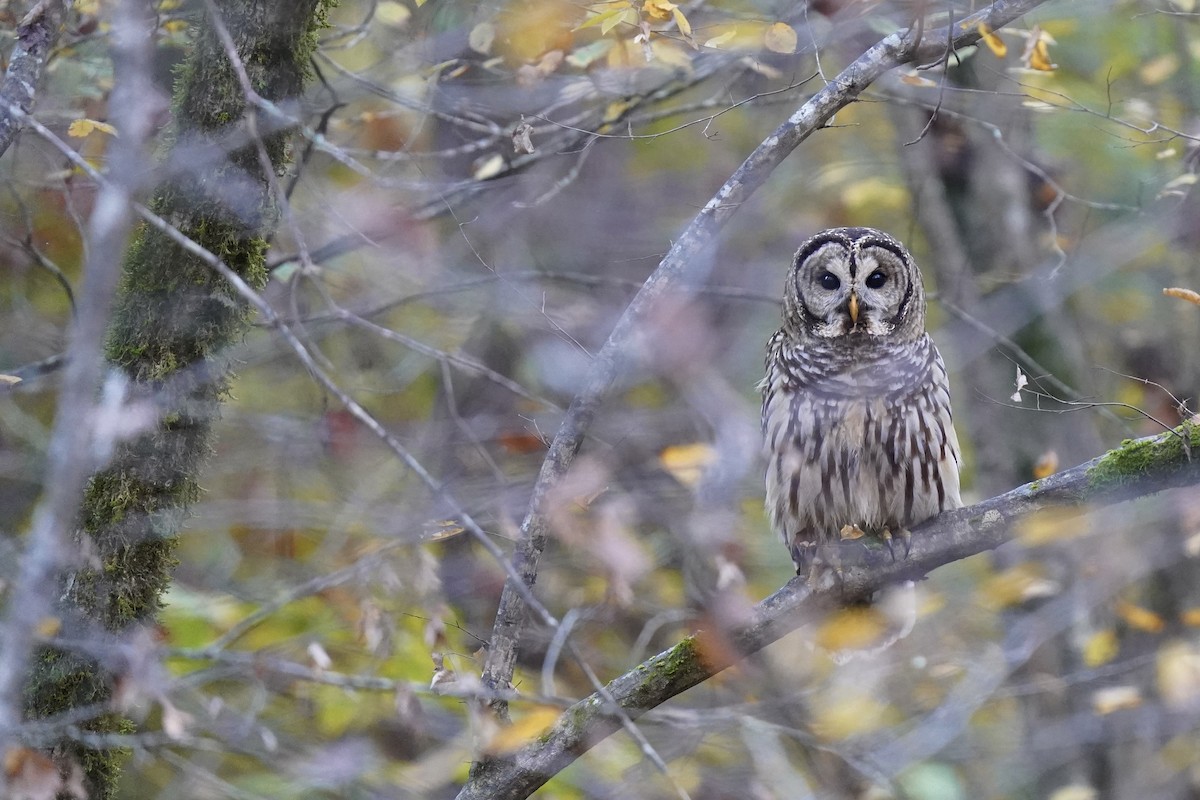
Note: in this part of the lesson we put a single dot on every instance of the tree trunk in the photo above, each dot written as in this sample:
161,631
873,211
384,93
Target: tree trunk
173,320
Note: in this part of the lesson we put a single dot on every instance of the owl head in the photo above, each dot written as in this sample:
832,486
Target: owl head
854,282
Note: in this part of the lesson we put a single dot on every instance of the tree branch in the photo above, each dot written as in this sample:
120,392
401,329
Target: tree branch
35,37
679,265
1136,469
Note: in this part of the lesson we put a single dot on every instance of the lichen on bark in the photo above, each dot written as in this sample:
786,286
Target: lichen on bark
173,320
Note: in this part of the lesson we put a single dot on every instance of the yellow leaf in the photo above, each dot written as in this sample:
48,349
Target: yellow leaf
392,13
437,530
1100,648
658,9
1190,617
627,16
1016,585
687,462
1037,52
80,128
1138,618
48,626
781,38
531,725
852,629
175,25
1116,698
993,42
724,38
604,16
848,716
681,22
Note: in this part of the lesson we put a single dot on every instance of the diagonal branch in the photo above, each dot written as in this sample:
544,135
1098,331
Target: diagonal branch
679,266
1136,469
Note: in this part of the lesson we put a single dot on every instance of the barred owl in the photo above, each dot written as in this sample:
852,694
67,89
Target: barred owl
856,403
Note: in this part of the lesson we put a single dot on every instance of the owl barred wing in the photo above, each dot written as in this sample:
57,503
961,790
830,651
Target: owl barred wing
922,448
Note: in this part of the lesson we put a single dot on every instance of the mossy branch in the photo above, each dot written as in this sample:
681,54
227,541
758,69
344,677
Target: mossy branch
1138,468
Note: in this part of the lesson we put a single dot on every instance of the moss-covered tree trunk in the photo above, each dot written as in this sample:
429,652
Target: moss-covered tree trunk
173,320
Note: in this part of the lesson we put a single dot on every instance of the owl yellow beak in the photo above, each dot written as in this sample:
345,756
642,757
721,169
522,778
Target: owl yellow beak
853,308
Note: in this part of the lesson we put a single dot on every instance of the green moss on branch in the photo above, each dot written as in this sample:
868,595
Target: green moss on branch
1134,460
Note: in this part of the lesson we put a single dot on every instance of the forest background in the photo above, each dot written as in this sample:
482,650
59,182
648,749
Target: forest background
377,327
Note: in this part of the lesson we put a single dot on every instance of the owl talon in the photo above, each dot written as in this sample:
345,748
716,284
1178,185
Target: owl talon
905,536
886,535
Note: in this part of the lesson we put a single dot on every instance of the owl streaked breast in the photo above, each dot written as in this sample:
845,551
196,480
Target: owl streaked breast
856,403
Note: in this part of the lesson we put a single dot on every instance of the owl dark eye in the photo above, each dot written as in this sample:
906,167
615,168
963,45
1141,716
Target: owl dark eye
876,279
829,281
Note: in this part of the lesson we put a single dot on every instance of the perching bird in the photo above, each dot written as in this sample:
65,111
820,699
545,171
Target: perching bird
856,403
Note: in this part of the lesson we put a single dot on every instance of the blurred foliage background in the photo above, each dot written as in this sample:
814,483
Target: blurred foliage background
480,189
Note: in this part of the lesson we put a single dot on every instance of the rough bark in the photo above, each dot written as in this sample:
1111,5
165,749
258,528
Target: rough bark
36,36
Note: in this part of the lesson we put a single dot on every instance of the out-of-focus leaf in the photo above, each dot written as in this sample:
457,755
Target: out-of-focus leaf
659,10
1157,70
913,79
1037,51
1116,698
527,727
481,37
488,167
933,781
583,57
1100,648
681,21
1074,791
781,38
722,39
687,462
852,629
1046,465
1139,618
993,42
1177,674
393,13
610,11
1050,525
1182,294
845,715
80,128
1017,584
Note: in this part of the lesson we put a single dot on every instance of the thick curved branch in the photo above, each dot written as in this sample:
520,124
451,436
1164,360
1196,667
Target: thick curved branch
1136,469
679,265
35,37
